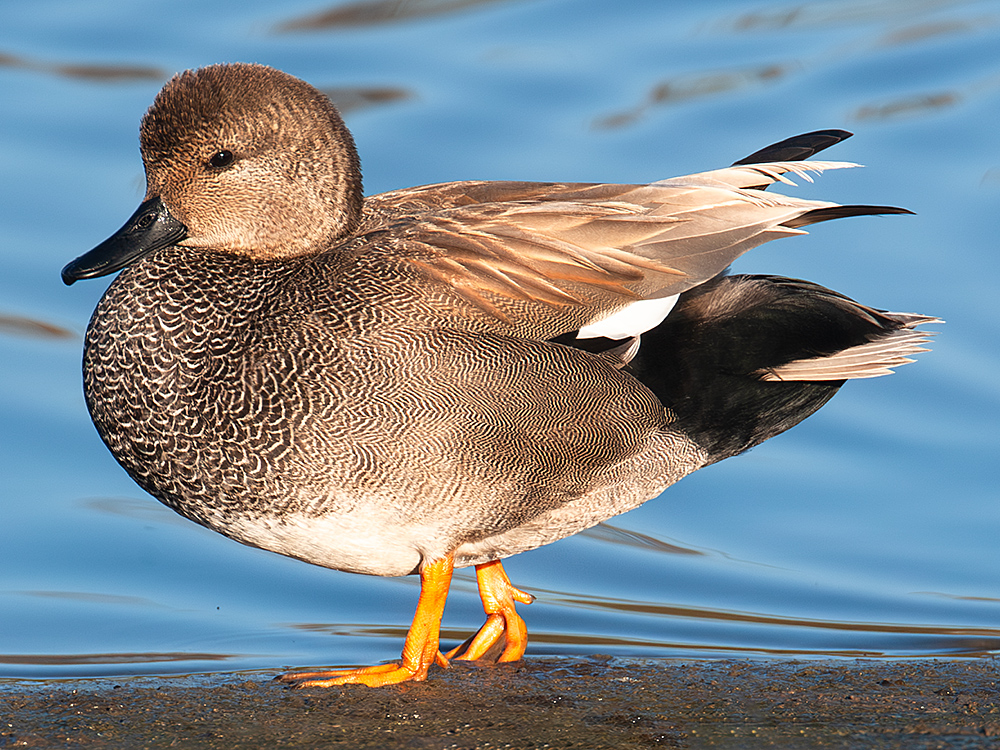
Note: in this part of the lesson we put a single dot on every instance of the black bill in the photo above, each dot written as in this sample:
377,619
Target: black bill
149,228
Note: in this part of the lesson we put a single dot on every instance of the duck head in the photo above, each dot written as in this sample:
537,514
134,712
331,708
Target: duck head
241,159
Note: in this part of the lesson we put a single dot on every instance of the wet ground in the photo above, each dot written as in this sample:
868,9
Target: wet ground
593,703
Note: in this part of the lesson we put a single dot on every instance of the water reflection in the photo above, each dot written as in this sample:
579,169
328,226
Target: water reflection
932,30
689,87
92,598
707,613
377,12
91,72
861,639
822,14
350,99
909,106
684,88
958,597
124,658
909,647
21,326
721,632
141,509
606,532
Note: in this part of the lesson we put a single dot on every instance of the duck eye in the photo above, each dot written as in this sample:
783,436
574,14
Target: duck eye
221,159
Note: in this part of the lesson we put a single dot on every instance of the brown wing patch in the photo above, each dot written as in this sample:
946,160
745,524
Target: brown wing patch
554,257
530,252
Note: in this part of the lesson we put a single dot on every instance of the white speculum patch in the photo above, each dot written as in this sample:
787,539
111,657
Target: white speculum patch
633,320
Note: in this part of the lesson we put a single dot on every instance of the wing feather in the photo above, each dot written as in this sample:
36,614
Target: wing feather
551,258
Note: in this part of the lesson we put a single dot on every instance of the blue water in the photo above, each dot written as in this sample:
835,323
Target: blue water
873,528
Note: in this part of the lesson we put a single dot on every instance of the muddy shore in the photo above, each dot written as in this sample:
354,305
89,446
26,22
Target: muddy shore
593,703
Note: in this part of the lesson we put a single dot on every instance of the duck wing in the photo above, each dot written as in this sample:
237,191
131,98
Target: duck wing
541,260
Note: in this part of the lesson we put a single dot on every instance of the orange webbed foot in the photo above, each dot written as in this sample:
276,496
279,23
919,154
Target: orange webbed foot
503,623
374,676
419,652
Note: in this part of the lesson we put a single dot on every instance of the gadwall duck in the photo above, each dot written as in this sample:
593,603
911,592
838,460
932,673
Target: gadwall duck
447,375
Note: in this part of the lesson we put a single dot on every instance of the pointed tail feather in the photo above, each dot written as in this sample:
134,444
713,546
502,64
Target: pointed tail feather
796,148
839,212
874,359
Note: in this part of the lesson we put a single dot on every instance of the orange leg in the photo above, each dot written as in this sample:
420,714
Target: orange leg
498,595
420,649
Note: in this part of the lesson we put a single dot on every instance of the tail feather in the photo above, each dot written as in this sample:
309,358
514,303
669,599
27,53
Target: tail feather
741,359
800,148
796,148
870,360
828,213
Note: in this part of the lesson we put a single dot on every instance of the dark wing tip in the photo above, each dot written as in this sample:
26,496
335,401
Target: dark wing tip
796,148
839,212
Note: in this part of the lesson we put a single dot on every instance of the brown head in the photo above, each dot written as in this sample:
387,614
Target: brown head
242,159
251,160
